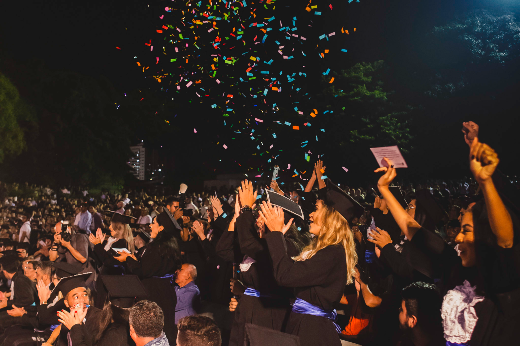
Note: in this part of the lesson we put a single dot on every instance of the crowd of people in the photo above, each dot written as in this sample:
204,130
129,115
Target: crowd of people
400,265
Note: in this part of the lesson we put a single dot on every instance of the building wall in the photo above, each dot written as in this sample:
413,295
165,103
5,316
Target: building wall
138,161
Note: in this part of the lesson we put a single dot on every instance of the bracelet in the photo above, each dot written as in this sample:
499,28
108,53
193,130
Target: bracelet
246,208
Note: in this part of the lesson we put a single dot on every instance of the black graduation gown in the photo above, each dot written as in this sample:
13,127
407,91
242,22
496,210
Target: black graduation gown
499,313
319,280
270,312
151,270
108,266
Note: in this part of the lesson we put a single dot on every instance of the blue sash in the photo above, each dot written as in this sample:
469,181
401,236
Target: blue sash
254,293
369,256
300,306
171,277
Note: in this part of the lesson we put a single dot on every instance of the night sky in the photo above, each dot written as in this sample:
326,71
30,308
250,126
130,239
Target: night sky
82,36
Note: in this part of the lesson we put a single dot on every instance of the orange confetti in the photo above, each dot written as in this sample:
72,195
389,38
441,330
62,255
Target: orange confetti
159,31
313,115
315,111
326,51
354,29
322,55
331,80
275,88
296,127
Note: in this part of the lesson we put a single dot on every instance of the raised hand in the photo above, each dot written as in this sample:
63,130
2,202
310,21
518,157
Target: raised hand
470,130
390,174
319,169
247,194
273,218
198,228
217,206
483,161
380,238
233,304
275,187
44,293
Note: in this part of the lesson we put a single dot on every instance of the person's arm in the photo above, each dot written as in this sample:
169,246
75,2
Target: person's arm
224,247
76,252
483,162
319,168
310,183
371,300
405,222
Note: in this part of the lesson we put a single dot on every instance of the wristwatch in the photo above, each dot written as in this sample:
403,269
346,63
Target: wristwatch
246,208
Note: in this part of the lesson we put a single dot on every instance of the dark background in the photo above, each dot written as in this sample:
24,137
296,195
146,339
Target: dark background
81,38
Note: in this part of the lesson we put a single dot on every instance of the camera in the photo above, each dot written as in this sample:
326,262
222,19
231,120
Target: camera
66,236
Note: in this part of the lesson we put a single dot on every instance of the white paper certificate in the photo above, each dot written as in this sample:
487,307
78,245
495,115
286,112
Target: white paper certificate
393,153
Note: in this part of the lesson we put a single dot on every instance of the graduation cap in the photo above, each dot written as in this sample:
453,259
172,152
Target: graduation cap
64,269
259,336
69,283
123,289
341,201
124,219
143,235
285,203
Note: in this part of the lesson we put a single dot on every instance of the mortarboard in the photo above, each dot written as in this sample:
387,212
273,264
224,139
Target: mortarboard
69,283
285,203
259,336
341,201
124,286
143,235
124,219
64,269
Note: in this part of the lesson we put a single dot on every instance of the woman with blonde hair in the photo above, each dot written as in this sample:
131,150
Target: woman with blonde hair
322,270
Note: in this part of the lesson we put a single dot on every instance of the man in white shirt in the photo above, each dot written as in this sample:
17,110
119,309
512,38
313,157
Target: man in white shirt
25,230
144,219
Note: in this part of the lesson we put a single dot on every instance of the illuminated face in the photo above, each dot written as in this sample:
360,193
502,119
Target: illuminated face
156,228
77,296
466,241
315,217
29,271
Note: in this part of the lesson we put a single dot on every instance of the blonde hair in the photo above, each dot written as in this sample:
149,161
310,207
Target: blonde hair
123,231
334,230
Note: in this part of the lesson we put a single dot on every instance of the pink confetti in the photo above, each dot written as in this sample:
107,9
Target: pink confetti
189,83
194,130
345,169
289,166
259,120
162,16
225,146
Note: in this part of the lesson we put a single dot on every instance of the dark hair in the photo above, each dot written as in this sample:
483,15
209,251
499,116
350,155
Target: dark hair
166,244
300,239
171,199
147,319
10,264
423,301
46,267
24,246
198,330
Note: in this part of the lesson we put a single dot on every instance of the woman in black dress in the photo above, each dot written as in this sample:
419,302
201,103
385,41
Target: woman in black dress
481,284
156,269
319,274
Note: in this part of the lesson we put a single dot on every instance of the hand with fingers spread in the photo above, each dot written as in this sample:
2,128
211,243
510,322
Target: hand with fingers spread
319,169
246,194
390,174
483,161
470,130
44,293
380,238
75,316
273,218
217,206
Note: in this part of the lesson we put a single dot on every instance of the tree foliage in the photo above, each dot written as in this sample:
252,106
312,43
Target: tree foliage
13,110
364,110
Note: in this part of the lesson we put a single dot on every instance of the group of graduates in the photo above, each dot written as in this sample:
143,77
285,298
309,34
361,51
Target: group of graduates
311,267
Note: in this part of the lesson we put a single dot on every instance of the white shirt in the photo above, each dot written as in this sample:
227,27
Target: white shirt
143,220
76,220
26,227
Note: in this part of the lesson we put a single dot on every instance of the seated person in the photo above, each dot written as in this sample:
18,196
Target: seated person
187,292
